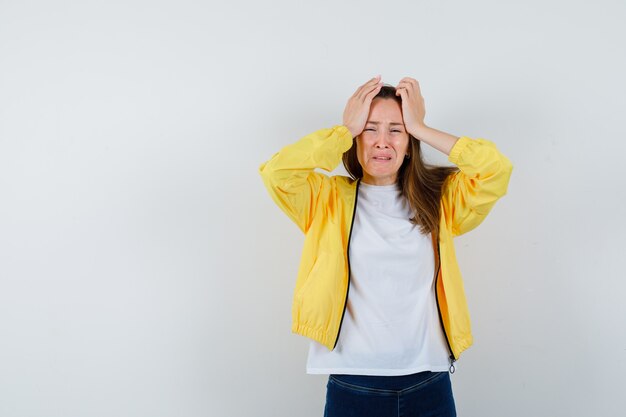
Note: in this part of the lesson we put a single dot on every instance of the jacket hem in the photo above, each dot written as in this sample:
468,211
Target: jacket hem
461,345
316,334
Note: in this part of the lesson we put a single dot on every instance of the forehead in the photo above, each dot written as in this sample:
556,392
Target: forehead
385,110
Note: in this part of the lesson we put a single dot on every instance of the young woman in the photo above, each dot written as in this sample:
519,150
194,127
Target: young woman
379,291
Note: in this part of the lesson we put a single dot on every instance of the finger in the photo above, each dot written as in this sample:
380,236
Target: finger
403,91
403,94
404,84
370,96
367,95
368,88
410,80
416,86
370,82
412,87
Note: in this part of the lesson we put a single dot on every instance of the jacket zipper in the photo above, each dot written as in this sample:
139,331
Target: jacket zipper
452,358
345,301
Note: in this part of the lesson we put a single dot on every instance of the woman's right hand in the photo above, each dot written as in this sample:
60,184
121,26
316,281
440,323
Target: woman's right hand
358,108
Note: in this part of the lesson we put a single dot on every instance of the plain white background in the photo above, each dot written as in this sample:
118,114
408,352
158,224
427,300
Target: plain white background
144,270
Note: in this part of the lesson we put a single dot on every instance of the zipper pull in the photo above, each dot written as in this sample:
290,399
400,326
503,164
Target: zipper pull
452,368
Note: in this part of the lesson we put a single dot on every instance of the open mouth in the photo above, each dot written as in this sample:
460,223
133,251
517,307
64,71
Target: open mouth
382,158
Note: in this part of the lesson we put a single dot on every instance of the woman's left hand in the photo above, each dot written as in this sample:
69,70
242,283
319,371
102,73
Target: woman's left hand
413,108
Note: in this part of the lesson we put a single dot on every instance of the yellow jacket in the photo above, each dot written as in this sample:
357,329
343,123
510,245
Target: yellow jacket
323,208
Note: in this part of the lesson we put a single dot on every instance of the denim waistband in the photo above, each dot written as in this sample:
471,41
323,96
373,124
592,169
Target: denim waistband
398,383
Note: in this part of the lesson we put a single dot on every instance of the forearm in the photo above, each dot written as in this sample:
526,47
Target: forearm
439,140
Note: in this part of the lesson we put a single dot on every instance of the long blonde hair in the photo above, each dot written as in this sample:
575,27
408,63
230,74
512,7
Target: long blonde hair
419,182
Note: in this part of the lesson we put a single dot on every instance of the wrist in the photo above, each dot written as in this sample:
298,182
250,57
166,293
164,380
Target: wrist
352,130
420,131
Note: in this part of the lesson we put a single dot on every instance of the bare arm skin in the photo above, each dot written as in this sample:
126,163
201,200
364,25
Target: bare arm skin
414,110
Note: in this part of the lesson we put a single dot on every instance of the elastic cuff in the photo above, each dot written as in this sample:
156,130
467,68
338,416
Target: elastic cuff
342,127
458,148
345,137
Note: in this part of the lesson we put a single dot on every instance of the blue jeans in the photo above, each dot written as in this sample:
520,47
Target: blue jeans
424,394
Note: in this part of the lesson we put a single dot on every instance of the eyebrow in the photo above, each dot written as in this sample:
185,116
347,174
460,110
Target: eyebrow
392,123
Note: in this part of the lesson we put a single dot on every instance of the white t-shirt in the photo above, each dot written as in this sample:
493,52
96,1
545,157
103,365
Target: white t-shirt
391,325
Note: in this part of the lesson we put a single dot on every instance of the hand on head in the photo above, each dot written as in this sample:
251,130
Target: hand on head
413,108
358,107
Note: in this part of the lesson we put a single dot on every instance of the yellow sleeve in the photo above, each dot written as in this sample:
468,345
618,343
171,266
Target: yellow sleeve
289,175
483,178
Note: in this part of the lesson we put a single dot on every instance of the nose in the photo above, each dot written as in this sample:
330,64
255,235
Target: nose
382,139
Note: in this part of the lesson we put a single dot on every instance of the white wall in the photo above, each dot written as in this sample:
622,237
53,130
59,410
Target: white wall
144,270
